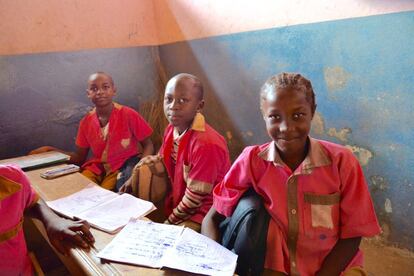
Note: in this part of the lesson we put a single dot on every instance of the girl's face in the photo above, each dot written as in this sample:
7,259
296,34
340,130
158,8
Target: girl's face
288,117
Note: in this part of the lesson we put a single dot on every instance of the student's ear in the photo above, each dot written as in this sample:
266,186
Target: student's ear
200,105
115,90
88,94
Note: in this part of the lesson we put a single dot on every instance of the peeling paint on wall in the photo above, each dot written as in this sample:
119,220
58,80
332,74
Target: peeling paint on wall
70,114
336,78
229,135
388,206
378,183
342,134
318,125
362,154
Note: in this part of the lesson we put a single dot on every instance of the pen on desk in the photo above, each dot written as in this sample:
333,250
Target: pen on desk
85,239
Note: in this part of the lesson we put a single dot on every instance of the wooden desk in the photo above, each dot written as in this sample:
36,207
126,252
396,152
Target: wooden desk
82,262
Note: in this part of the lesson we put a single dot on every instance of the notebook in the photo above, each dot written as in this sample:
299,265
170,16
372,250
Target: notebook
103,209
33,161
159,245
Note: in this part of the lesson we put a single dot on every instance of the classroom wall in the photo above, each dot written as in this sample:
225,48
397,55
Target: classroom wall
39,26
357,54
43,96
47,51
361,69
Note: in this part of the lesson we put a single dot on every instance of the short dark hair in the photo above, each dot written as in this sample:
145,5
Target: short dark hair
102,73
197,84
288,80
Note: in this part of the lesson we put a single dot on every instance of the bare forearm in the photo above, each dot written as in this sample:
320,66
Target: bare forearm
210,224
147,147
339,257
41,212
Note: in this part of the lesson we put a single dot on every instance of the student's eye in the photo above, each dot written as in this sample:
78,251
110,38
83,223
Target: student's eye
298,115
93,89
181,101
274,117
106,87
168,99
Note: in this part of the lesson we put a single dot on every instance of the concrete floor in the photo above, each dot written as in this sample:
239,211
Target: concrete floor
382,260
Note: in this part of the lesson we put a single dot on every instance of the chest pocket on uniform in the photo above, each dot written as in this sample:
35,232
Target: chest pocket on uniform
321,216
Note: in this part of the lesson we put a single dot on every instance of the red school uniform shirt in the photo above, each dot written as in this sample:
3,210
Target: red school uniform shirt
126,129
202,160
325,199
16,195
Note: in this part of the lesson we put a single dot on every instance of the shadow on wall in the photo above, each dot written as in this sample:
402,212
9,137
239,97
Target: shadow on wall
220,108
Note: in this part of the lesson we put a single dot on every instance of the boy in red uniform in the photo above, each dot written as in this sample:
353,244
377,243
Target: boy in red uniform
17,198
195,155
314,190
112,132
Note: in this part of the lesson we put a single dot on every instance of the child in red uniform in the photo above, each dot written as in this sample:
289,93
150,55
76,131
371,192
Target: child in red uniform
314,190
195,155
112,132
17,198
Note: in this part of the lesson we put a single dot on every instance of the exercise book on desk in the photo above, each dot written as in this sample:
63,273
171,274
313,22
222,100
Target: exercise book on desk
159,245
103,209
33,161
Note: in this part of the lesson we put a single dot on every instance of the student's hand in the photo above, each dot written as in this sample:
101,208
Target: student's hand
66,234
127,187
42,149
149,159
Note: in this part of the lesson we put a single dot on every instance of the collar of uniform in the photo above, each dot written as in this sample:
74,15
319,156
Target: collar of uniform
116,106
316,156
269,153
199,123
8,187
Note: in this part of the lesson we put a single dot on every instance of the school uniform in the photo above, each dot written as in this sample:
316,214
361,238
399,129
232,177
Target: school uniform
16,195
195,161
113,145
325,199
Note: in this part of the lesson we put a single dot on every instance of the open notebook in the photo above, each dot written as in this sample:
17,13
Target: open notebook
103,209
161,245
34,161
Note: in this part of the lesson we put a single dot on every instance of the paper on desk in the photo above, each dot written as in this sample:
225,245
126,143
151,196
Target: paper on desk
141,242
74,204
196,253
102,208
115,213
162,245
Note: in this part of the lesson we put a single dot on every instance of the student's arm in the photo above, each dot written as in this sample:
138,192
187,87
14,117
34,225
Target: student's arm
209,226
77,157
339,257
147,147
63,234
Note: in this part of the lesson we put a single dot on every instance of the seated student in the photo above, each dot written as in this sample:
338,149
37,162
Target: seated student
195,155
17,198
314,190
112,131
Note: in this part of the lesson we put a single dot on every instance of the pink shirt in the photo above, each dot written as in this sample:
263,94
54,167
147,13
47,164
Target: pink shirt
16,195
126,129
325,199
202,161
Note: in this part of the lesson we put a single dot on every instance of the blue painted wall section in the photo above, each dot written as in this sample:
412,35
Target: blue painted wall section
43,96
362,73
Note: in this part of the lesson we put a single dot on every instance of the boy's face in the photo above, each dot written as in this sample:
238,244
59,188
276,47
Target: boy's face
288,117
101,89
181,103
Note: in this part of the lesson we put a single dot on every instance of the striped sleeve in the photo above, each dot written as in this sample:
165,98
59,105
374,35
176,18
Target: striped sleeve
189,204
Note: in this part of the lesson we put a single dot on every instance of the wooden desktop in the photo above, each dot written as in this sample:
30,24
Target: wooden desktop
82,262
